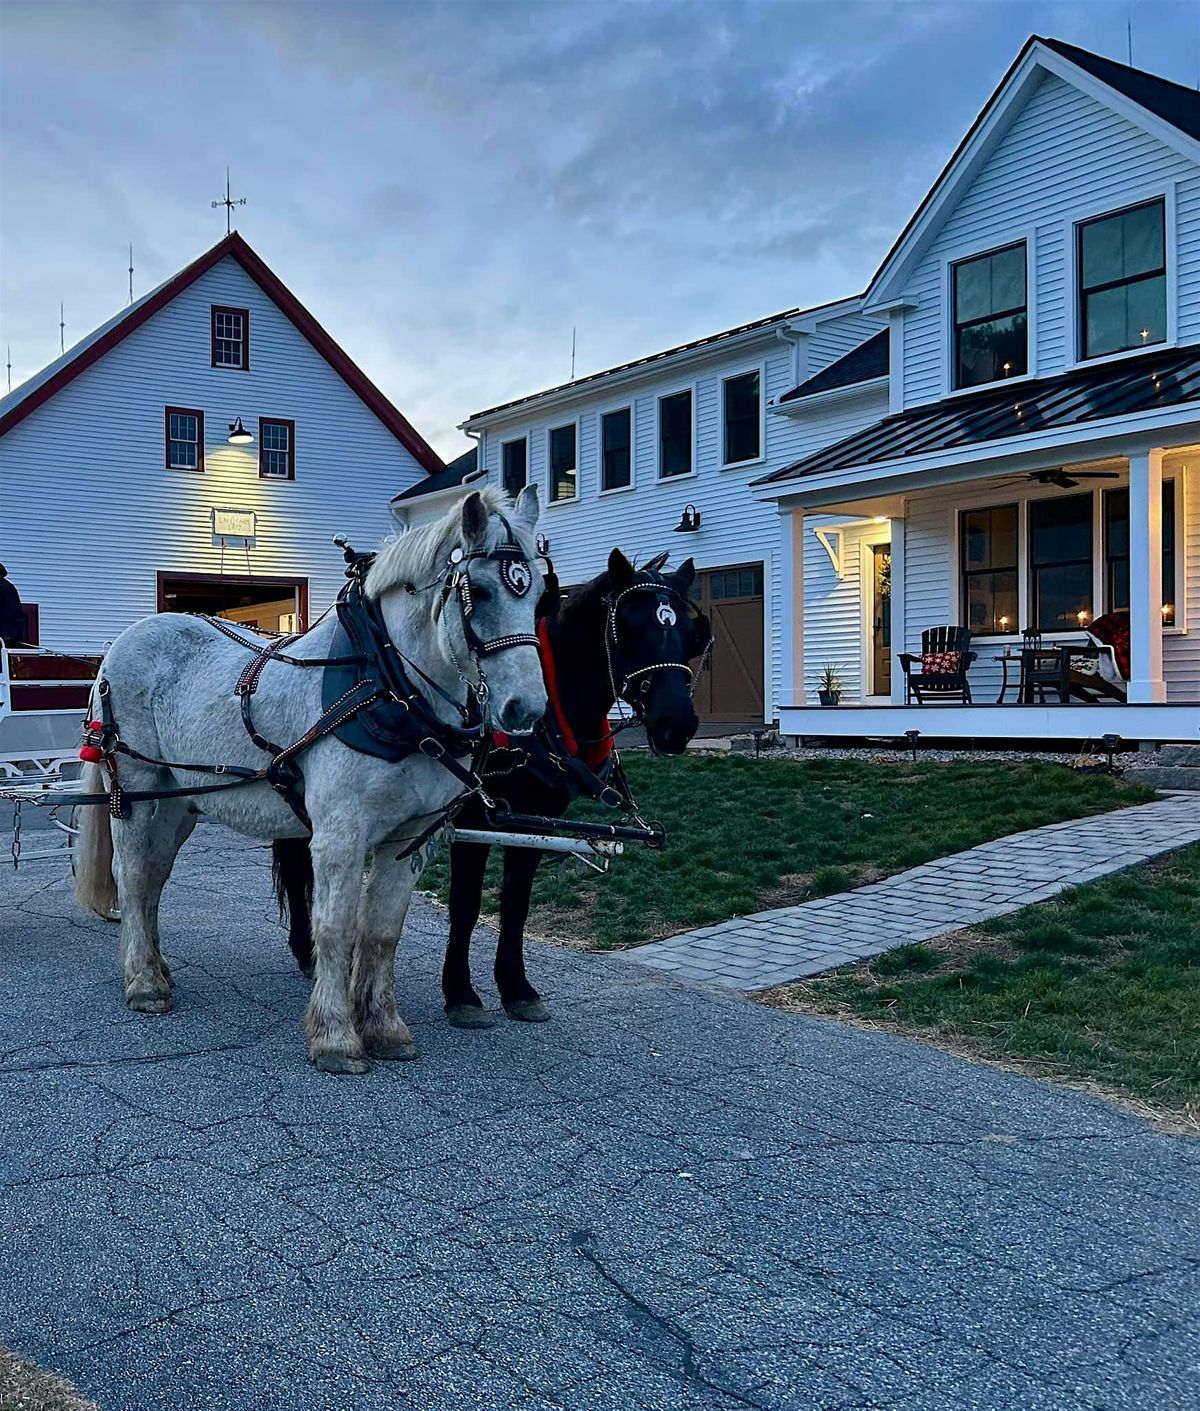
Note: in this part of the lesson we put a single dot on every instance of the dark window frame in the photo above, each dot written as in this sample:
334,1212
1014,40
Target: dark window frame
1082,292
965,574
957,328
690,394
759,427
244,365
551,498
508,488
1033,570
168,412
265,421
606,488
1171,557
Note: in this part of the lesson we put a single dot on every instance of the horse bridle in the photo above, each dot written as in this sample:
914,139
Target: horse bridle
668,599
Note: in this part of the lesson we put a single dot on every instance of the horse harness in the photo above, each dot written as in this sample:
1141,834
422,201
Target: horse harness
370,700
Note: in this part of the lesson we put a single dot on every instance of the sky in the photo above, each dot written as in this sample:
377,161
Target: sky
452,187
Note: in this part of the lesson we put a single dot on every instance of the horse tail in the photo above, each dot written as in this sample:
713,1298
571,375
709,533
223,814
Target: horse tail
292,875
95,884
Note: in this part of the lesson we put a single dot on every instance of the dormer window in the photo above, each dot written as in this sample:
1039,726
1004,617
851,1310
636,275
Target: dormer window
230,337
1123,281
991,336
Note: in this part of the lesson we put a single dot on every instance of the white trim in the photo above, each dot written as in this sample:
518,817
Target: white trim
659,398
1139,196
866,574
551,503
834,394
722,379
629,406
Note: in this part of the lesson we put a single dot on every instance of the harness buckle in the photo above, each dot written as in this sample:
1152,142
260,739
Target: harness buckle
437,751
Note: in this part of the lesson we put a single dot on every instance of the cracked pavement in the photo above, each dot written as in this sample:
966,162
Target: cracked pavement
668,1197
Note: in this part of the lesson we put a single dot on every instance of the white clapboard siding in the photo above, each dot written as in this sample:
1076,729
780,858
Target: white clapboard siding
1064,157
736,527
89,514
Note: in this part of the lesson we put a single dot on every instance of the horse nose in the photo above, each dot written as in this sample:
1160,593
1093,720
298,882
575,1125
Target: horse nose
519,717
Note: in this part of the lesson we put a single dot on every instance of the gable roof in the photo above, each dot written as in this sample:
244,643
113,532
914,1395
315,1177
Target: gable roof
1150,382
1167,110
55,376
454,473
862,364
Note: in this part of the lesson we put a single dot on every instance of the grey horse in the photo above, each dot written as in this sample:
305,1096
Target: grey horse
170,682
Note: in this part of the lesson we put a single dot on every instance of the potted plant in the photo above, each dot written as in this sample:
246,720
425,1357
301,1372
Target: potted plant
829,685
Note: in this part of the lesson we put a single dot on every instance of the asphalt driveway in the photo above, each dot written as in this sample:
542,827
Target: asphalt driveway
668,1197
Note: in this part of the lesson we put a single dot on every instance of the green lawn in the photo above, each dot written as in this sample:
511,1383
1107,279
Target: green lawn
24,1387
746,834
1102,984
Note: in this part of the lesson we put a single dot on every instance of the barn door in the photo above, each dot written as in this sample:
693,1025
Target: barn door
731,691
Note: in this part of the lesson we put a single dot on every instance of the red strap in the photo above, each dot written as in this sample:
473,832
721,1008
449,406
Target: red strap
594,753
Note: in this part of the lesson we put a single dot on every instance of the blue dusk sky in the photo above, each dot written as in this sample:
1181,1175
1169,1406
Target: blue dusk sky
450,187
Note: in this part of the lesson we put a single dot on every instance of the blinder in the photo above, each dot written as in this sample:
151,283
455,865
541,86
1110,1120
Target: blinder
670,605
516,574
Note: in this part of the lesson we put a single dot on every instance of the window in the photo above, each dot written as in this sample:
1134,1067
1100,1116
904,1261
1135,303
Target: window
230,337
616,443
1116,551
675,434
185,438
743,417
735,583
563,470
1060,562
991,338
276,449
514,463
988,555
1123,281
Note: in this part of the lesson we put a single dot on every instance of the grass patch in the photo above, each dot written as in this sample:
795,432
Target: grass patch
1101,986
25,1387
745,835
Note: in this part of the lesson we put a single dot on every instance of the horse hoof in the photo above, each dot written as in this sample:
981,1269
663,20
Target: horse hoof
469,1016
340,1063
148,1002
528,1011
393,1050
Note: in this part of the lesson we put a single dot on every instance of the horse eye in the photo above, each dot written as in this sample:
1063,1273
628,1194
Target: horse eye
480,593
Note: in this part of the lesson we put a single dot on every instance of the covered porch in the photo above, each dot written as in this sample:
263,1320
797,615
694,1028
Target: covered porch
999,541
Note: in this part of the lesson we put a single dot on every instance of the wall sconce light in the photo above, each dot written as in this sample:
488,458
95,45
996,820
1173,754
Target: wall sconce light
238,435
1168,614
689,520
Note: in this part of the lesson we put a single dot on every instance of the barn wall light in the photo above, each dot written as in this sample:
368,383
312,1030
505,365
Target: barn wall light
238,435
689,520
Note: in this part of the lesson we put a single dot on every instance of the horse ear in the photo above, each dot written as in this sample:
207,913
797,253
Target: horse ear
474,518
620,571
684,576
528,507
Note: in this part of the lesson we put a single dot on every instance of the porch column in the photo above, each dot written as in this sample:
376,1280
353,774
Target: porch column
1145,577
791,608
898,617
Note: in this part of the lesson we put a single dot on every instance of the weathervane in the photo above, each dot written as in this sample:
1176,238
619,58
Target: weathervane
229,202
62,329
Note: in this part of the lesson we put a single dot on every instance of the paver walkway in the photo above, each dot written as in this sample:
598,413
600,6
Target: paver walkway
791,942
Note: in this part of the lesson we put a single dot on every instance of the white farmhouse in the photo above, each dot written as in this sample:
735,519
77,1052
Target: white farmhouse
196,452
1037,469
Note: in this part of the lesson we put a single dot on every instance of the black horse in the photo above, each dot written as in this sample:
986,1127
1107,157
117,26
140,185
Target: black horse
629,633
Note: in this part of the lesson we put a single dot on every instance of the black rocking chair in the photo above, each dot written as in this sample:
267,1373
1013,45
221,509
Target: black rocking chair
926,686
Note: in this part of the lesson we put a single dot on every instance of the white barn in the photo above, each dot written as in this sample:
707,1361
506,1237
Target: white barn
121,493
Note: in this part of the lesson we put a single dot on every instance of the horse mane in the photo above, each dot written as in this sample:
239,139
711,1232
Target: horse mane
421,554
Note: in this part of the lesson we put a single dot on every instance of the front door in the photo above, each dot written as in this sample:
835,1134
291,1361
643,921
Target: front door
881,619
731,690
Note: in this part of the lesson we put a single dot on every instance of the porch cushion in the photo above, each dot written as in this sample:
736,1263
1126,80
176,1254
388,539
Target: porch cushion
1112,630
941,663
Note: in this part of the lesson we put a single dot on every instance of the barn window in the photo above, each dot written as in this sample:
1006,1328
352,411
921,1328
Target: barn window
988,568
563,470
1060,562
276,448
1116,551
675,434
514,469
184,438
743,417
230,341
616,442
991,340
1123,281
